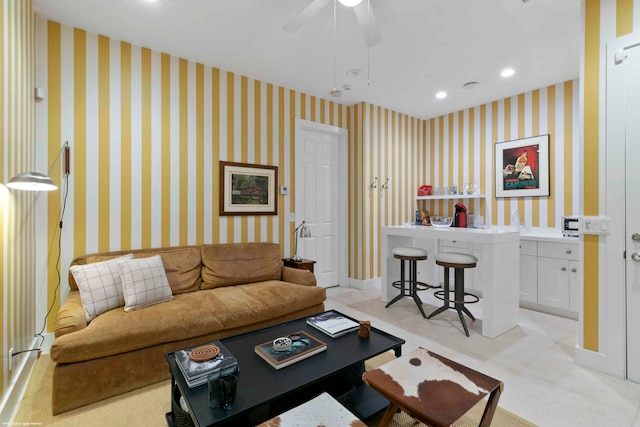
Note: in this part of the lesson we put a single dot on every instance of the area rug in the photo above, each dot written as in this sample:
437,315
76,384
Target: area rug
147,406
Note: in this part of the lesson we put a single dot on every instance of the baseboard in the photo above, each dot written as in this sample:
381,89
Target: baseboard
374,283
596,361
18,385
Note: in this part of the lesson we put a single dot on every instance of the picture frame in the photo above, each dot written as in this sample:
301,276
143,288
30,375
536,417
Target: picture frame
522,167
248,189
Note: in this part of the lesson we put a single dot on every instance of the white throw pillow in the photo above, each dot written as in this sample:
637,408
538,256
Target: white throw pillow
99,285
144,282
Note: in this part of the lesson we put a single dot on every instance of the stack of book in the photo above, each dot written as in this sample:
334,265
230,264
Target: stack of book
333,323
196,373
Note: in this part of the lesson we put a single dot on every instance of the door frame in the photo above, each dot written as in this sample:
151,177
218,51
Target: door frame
342,231
613,318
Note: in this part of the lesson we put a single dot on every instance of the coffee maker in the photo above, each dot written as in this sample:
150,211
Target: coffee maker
460,218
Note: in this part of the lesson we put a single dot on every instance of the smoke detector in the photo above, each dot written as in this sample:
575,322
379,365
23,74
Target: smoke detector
470,85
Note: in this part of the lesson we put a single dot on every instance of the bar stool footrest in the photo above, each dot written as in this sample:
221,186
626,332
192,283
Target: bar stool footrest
420,286
440,295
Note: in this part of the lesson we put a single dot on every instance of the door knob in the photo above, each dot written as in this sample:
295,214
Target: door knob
635,256
635,237
564,269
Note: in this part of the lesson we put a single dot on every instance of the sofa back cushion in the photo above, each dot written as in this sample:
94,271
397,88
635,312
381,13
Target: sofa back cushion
181,263
238,263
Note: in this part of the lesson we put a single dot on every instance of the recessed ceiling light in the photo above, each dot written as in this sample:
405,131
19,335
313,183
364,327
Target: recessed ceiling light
353,72
350,3
507,72
441,95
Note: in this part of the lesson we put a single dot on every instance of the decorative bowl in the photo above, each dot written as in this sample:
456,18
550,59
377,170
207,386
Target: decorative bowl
441,221
282,344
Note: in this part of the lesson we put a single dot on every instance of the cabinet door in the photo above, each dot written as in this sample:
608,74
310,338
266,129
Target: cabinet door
553,282
574,286
529,278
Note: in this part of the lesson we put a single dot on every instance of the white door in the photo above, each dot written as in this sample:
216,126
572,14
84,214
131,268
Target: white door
632,197
320,198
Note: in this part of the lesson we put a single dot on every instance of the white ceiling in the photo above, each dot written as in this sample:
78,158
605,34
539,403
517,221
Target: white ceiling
427,46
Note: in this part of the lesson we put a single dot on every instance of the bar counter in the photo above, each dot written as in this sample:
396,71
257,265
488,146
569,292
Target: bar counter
498,251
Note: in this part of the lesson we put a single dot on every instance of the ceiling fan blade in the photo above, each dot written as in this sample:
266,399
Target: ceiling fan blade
368,24
305,14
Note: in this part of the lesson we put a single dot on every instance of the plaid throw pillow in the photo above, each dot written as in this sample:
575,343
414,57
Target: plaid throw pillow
99,285
144,282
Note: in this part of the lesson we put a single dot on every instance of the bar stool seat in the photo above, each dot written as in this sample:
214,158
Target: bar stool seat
413,255
457,261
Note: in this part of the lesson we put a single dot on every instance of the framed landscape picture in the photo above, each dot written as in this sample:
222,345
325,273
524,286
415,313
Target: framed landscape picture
247,189
522,167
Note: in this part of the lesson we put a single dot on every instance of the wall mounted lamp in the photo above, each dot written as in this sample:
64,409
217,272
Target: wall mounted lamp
36,181
303,234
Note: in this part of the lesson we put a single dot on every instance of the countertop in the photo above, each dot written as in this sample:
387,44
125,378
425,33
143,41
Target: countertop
526,233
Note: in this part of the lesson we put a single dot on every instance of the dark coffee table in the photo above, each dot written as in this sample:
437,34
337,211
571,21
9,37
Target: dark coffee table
264,392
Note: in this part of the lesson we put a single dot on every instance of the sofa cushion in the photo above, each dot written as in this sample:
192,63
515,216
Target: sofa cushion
186,316
100,286
238,263
144,282
182,265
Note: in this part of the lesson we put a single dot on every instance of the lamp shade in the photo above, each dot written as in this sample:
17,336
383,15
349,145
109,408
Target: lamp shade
304,231
32,181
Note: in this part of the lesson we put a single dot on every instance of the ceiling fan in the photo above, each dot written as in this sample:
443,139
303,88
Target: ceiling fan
364,14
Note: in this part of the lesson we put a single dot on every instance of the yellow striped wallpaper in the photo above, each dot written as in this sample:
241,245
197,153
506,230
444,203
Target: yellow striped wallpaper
17,213
451,150
147,131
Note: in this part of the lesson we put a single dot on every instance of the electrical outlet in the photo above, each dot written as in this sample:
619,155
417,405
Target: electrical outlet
10,358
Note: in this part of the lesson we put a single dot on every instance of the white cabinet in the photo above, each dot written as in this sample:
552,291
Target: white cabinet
555,261
529,271
549,274
553,282
574,286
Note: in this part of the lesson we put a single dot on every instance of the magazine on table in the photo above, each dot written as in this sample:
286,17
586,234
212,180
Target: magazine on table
333,323
302,346
196,373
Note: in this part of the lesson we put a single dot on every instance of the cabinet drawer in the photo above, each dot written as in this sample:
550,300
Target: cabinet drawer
528,247
452,245
558,250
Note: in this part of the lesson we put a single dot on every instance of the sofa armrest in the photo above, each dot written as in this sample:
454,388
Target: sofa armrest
298,276
70,317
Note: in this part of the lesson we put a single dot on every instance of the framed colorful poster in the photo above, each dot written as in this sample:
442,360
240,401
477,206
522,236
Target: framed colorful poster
248,189
522,167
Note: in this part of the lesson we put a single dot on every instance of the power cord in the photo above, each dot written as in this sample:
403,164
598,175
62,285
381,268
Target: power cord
55,291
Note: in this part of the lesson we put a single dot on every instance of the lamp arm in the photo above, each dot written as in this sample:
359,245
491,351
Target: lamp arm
65,149
298,227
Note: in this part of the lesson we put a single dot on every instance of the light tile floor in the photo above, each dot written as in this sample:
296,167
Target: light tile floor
535,361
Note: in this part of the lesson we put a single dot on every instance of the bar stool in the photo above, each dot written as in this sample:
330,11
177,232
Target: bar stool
413,255
458,262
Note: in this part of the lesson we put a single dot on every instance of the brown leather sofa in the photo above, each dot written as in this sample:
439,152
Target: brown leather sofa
219,290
